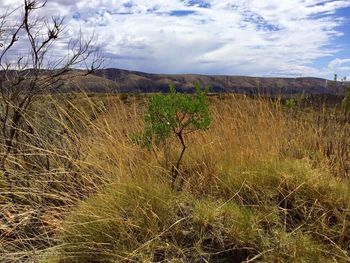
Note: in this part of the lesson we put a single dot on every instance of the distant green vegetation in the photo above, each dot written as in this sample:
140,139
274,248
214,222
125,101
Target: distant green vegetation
291,103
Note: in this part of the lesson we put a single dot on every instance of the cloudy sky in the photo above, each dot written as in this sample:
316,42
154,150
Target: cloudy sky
236,37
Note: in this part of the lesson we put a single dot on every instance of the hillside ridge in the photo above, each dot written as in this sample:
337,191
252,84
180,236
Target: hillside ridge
136,81
126,81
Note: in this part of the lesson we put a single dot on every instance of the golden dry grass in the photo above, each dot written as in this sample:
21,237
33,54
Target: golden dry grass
261,177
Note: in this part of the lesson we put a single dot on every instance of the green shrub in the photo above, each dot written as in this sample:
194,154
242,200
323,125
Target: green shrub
346,101
291,103
175,114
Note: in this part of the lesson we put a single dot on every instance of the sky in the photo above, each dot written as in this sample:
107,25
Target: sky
288,38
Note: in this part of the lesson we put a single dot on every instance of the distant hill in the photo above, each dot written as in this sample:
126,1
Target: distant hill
134,81
119,80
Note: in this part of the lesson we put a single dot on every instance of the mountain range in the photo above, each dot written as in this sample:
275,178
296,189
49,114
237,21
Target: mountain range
112,80
125,81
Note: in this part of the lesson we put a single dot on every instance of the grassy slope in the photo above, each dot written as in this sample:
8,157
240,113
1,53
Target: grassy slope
262,184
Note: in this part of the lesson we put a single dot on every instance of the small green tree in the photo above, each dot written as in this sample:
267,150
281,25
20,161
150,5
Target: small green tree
345,104
291,103
175,114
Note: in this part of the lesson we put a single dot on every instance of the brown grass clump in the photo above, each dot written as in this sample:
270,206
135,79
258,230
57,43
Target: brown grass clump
264,183
144,220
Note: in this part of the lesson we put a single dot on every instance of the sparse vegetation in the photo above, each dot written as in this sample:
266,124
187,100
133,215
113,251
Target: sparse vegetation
268,182
24,77
256,188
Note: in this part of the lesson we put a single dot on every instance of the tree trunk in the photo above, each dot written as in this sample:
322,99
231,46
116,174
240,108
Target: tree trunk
176,168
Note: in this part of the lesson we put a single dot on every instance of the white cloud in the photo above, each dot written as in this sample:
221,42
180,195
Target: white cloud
255,37
341,67
339,64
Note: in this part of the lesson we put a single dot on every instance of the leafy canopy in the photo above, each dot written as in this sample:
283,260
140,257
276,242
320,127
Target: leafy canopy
175,113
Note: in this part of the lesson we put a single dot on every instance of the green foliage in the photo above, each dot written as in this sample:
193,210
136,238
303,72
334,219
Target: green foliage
291,103
345,104
175,113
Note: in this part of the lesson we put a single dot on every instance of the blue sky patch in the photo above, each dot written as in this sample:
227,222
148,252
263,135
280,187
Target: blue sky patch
76,15
198,3
181,12
342,43
153,9
128,5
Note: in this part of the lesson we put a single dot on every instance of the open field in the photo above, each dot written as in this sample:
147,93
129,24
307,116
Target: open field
265,183
187,131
